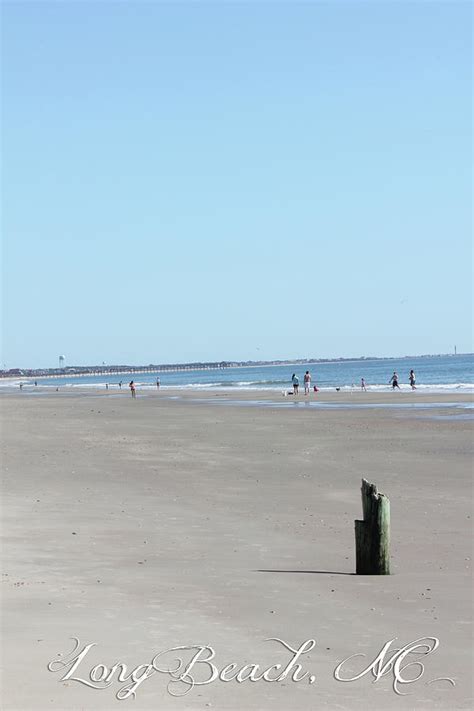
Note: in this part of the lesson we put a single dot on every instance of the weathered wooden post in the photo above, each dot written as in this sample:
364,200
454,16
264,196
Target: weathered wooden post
372,535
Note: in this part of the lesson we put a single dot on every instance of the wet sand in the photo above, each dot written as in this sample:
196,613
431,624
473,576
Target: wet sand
183,519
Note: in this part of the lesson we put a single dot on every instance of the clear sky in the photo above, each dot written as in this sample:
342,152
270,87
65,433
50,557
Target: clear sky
205,181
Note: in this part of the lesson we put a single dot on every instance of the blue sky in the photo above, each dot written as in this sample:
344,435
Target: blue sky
203,181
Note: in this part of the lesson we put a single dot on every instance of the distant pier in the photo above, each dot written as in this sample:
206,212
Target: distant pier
78,371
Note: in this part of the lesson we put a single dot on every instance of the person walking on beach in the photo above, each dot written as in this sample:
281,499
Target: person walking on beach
296,383
411,378
131,385
394,381
362,385
307,382
158,383
120,384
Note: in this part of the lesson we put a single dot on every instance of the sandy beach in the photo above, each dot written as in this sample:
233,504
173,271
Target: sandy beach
184,519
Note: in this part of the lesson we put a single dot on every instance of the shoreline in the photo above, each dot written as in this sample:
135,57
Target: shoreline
185,367
405,395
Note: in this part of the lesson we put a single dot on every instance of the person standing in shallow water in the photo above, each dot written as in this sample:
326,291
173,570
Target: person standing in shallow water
296,383
307,382
394,381
362,385
411,378
131,385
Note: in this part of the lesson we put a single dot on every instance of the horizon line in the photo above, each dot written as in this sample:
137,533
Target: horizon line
228,363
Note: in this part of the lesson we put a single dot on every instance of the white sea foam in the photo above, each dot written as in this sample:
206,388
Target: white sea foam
249,385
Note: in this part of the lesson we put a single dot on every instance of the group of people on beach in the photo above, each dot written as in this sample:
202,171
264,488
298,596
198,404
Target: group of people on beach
394,380
295,381
363,386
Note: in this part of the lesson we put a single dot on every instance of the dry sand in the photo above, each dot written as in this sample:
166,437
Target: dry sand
149,524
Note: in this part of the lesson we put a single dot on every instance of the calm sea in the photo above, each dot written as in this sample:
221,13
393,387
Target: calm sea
433,373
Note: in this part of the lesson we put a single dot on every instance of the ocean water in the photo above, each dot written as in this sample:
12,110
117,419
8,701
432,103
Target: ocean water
433,374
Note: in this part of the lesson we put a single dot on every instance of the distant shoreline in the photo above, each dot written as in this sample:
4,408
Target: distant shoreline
115,370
